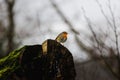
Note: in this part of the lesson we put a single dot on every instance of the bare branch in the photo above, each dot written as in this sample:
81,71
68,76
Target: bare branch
89,50
91,29
98,44
110,23
115,28
105,16
116,35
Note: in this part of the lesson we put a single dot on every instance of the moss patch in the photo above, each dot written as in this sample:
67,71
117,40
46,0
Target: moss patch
10,63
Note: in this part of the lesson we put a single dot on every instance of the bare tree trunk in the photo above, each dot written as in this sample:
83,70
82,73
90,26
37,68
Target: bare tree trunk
10,33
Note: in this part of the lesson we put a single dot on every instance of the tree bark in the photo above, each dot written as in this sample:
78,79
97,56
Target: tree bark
29,63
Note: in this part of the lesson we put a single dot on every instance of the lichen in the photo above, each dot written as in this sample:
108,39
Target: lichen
10,63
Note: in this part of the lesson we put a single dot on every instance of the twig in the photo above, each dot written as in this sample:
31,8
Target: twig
90,26
115,28
105,16
99,47
116,36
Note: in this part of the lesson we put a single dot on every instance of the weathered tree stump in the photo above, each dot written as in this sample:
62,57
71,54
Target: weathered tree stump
30,63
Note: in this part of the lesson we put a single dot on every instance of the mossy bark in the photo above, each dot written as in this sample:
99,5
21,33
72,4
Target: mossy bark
29,63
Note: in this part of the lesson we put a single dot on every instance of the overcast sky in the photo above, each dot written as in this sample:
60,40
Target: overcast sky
42,22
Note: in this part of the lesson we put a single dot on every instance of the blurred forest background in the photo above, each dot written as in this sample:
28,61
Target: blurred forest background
93,27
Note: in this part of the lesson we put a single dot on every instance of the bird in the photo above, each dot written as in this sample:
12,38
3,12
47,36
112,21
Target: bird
62,37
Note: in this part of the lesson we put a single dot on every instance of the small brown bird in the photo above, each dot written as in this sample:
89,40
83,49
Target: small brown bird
62,37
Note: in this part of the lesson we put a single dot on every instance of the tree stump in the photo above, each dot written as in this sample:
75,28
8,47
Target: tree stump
32,64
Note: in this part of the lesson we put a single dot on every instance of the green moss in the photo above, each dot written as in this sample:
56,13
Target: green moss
10,63
4,70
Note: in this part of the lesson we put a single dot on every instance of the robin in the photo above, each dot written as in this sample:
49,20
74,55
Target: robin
62,37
